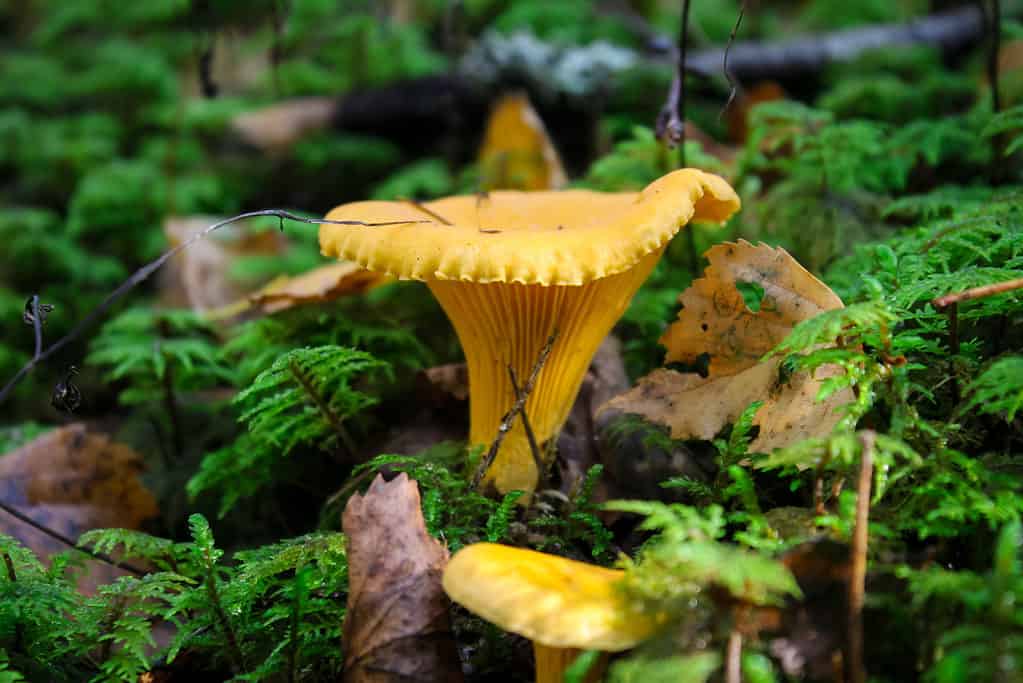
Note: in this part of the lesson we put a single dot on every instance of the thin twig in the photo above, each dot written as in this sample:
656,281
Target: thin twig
977,293
145,271
419,206
57,536
733,657
509,418
671,121
534,449
855,672
733,84
37,325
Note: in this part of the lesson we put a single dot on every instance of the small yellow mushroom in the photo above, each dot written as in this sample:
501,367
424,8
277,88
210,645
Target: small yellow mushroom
563,606
509,268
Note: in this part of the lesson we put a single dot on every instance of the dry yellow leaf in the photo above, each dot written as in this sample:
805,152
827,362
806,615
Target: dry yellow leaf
717,330
715,319
517,153
324,283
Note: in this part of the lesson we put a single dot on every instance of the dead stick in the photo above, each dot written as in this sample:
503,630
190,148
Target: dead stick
509,418
671,121
978,293
855,672
534,449
733,657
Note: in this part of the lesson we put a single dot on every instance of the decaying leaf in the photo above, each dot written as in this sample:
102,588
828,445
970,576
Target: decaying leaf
316,286
396,627
517,153
720,334
198,276
71,481
275,128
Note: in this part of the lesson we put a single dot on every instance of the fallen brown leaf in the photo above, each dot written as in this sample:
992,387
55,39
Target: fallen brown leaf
517,153
396,627
718,331
316,286
275,128
198,276
70,480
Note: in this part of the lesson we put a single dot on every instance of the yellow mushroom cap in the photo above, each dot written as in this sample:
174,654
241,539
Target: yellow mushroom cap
511,268
562,237
551,600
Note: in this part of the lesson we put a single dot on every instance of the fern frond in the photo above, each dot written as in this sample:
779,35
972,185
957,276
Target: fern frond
306,394
824,329
999,389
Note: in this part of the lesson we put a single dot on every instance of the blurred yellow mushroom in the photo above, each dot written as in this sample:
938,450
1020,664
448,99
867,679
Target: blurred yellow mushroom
563,606
509,268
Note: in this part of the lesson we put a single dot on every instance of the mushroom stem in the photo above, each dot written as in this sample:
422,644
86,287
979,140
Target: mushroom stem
551,663
505,324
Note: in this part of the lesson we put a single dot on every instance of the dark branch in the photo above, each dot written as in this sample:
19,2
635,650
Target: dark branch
733,84
671,121
61,538
509,418
754,61
534,448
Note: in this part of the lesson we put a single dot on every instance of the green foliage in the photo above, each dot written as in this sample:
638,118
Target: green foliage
999,389
570,22
156,351
695,668
893,459
675,575
459,516
889,185
306,395
303,399
685,557
1007,121
122,198
241,615
393,336
975,616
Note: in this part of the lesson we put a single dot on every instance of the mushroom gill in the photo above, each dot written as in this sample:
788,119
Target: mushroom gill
510,268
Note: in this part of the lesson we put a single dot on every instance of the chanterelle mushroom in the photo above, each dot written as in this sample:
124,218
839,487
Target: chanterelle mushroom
563,606
509,268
